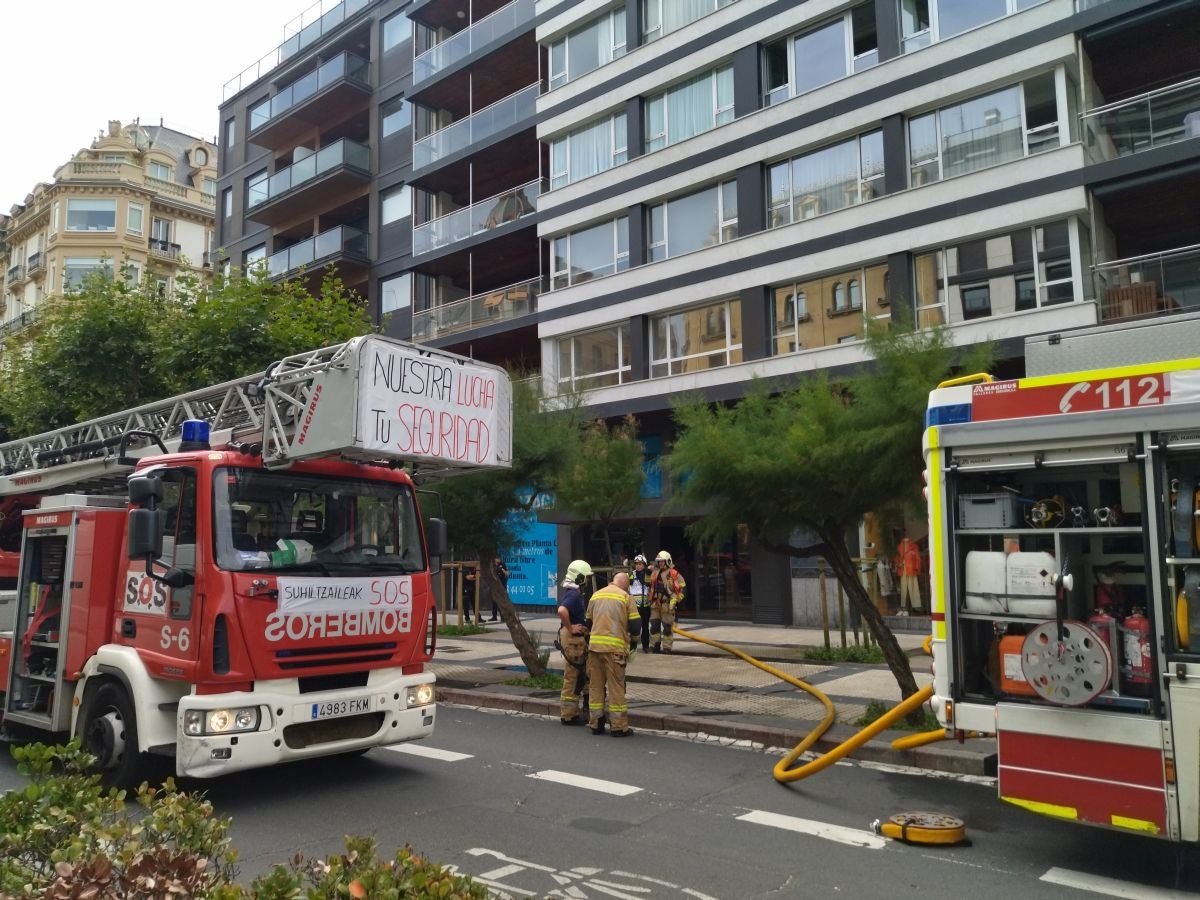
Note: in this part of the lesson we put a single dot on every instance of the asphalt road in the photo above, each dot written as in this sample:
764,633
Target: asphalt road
531,808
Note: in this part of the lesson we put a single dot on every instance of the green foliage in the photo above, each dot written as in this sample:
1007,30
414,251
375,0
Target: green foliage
551,681
465,630
111,345
63,836
855,653
922,720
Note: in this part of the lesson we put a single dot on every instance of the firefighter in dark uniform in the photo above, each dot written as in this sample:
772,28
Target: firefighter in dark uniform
614,625
572,641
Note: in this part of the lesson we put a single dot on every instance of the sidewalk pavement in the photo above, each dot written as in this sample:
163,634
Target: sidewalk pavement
707,694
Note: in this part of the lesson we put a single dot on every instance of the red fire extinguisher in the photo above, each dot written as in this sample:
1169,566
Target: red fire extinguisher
1105,627
1136,632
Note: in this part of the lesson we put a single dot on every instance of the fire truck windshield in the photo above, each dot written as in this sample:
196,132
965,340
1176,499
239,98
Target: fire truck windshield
289,521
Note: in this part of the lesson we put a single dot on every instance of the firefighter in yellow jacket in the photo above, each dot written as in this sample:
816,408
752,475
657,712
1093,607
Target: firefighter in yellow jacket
666,587
614,624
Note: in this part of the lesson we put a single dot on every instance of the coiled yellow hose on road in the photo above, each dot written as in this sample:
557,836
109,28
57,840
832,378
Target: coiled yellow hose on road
783,771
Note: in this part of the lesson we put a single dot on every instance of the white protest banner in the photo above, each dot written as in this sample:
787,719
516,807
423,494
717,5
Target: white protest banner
339,594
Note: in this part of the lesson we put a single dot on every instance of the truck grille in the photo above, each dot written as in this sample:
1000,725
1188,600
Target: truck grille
318,657
311,734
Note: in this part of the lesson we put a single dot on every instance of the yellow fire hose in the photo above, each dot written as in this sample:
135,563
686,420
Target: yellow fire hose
921,828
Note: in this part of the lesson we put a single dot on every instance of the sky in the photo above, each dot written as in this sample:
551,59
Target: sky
74,64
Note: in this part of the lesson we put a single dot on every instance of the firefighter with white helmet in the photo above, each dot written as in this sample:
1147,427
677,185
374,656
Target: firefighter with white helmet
666,588
639,589
572,640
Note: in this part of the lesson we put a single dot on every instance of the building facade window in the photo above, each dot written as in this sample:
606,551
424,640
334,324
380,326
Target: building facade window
227,203
396,30
76,269
685,224
825,180
200,157
254,258
660,17
135,219
1013,272
589,253
133,273
91,215
594,148
804,62
829,309
54,217
395,294
924,21
395,204
692,340
209,186
690,108
159,170
257,189
230,132
595,359
160,230
394,115
595,44
984,131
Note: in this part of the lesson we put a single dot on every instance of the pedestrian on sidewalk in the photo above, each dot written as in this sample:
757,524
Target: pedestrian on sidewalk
470,583
666,592
613,624
501,571
572,641
908,567
640,591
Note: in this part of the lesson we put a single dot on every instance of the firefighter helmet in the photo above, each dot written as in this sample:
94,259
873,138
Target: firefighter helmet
639,559
578,570
664,556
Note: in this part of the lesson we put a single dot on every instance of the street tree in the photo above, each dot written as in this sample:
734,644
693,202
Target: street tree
604,480
478,507
801,467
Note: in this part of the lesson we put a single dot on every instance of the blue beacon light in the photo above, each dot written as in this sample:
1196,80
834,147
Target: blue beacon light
194,435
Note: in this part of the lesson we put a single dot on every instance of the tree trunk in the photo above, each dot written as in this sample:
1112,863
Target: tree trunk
838,556
608,544
508,614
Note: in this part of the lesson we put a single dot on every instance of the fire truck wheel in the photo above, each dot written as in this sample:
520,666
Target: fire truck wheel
108,730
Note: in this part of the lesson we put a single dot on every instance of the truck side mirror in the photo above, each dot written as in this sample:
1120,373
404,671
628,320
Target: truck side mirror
145,488
435,542
145,533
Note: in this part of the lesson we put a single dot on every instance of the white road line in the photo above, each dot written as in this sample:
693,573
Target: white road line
427,752
502,872
582,781
855,837
1112,887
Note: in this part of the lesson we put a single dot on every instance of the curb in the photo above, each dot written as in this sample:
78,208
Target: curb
950,758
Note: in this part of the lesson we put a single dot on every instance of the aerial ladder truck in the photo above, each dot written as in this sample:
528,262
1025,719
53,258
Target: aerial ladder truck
240,576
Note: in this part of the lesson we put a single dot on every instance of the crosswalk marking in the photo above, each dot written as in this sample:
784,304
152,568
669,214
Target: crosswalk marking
427,752
582,781
1111,887
855,837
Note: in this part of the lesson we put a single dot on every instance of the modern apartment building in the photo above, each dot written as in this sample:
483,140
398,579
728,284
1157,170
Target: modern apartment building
738,186
138,201
652,199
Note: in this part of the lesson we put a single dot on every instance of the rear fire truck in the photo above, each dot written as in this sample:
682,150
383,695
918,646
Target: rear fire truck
1064,514
240,576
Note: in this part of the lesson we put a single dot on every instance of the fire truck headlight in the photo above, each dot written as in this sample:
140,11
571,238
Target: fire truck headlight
419,695
221,721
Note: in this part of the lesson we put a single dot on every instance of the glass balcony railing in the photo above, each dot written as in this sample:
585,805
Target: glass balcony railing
1149,120
344,65
1151,285
476,127
333,242
503,21
477,218
474,312
343,152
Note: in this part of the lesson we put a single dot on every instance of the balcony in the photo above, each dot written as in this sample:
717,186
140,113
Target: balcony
1140,123
459,45
499,305
162,249
17,323
16,275
322,180
312,100
477,218
343,245
1153,285
35,265
505,113
318,20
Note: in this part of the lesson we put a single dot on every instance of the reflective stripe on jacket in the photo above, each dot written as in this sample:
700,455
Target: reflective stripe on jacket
611,611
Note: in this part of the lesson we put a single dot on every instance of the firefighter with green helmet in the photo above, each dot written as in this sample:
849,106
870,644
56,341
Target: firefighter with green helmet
572,641
613,624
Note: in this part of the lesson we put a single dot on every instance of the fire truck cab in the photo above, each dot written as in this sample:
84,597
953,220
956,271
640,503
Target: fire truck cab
253,586
1064,514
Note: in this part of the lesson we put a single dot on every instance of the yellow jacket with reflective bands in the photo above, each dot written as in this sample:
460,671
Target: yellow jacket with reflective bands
610,611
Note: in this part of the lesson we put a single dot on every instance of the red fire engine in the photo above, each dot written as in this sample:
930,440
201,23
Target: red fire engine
240,576
1065,576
